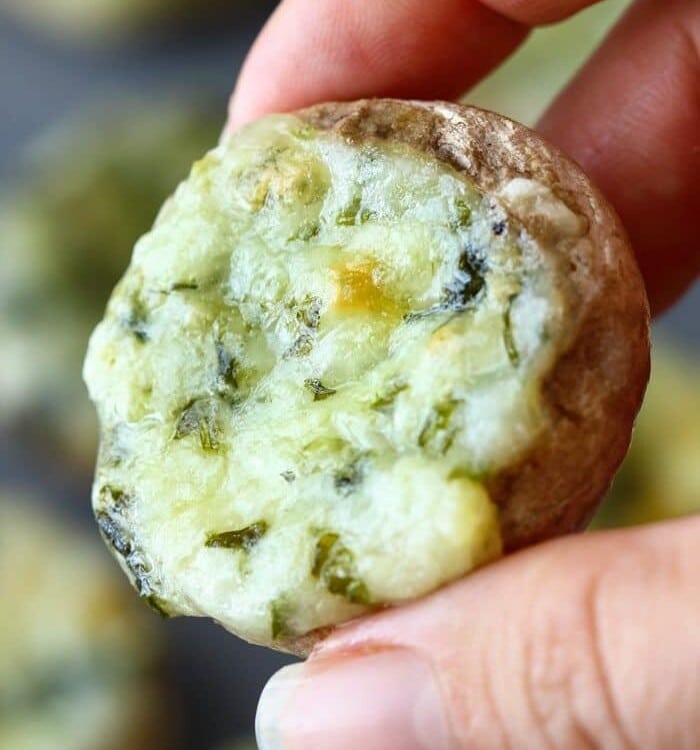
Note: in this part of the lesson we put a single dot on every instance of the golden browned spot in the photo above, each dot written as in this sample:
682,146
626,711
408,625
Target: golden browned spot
359,289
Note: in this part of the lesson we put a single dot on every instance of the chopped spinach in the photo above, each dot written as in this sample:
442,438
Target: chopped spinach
157,605
463,213
306,231
136,319
462,291
115,531
243,539
319,390
226,369
183,286
437,431
198,416
385,402
288,476
508,338
348,216
346,480
334,565
468,282
280,615
114,497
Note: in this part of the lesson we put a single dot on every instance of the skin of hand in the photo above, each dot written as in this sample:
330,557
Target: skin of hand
585,642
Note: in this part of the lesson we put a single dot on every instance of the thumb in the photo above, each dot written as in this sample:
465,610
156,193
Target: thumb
586,642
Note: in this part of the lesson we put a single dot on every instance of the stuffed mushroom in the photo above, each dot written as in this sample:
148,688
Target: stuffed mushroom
77,660
94,21
660,477
367,348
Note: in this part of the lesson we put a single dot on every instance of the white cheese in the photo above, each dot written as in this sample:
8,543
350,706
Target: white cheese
314,361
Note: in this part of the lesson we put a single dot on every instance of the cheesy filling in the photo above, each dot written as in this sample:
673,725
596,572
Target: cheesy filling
313,363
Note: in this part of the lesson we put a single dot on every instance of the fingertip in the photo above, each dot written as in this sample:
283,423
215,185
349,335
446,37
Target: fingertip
341,51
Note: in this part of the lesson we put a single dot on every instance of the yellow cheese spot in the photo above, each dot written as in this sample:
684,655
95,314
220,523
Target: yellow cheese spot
359,289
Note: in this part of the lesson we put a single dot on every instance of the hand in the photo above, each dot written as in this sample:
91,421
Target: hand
584,642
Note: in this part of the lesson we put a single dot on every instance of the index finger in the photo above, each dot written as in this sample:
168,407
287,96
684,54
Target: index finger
320,50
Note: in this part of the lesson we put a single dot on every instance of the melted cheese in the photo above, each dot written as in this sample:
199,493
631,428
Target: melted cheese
317,357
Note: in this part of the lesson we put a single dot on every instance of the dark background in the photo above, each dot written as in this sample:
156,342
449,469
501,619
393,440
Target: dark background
216,677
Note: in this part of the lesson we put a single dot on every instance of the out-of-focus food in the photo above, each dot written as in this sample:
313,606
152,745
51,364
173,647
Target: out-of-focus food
100,20
241,744
660,478
364,347
68,224
527,82
77,652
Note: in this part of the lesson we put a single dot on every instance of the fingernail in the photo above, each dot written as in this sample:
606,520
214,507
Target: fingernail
387,700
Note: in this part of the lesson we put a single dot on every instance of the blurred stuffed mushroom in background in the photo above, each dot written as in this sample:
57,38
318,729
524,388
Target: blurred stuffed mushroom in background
70,219
78,654
97,21
660,477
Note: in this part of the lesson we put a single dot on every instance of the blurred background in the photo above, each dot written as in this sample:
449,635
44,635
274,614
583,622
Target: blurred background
106,103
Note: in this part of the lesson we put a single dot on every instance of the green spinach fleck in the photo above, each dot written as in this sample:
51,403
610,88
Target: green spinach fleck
136,319
158,605
468,282
319,390
239,539
460,294
347,479
334,565
385,402
437,431
348,216
199,417
226,369
508,338
463,213
280,614
306,231
116,533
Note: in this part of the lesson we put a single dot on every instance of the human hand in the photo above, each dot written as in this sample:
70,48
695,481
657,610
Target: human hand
585,642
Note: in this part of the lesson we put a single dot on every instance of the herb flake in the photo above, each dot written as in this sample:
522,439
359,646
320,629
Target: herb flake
319,390
226,369
199,417
347,480
461,292
334,565
239,539
348,216
508,338
280,615
385,402
136,319
468,282
437,431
